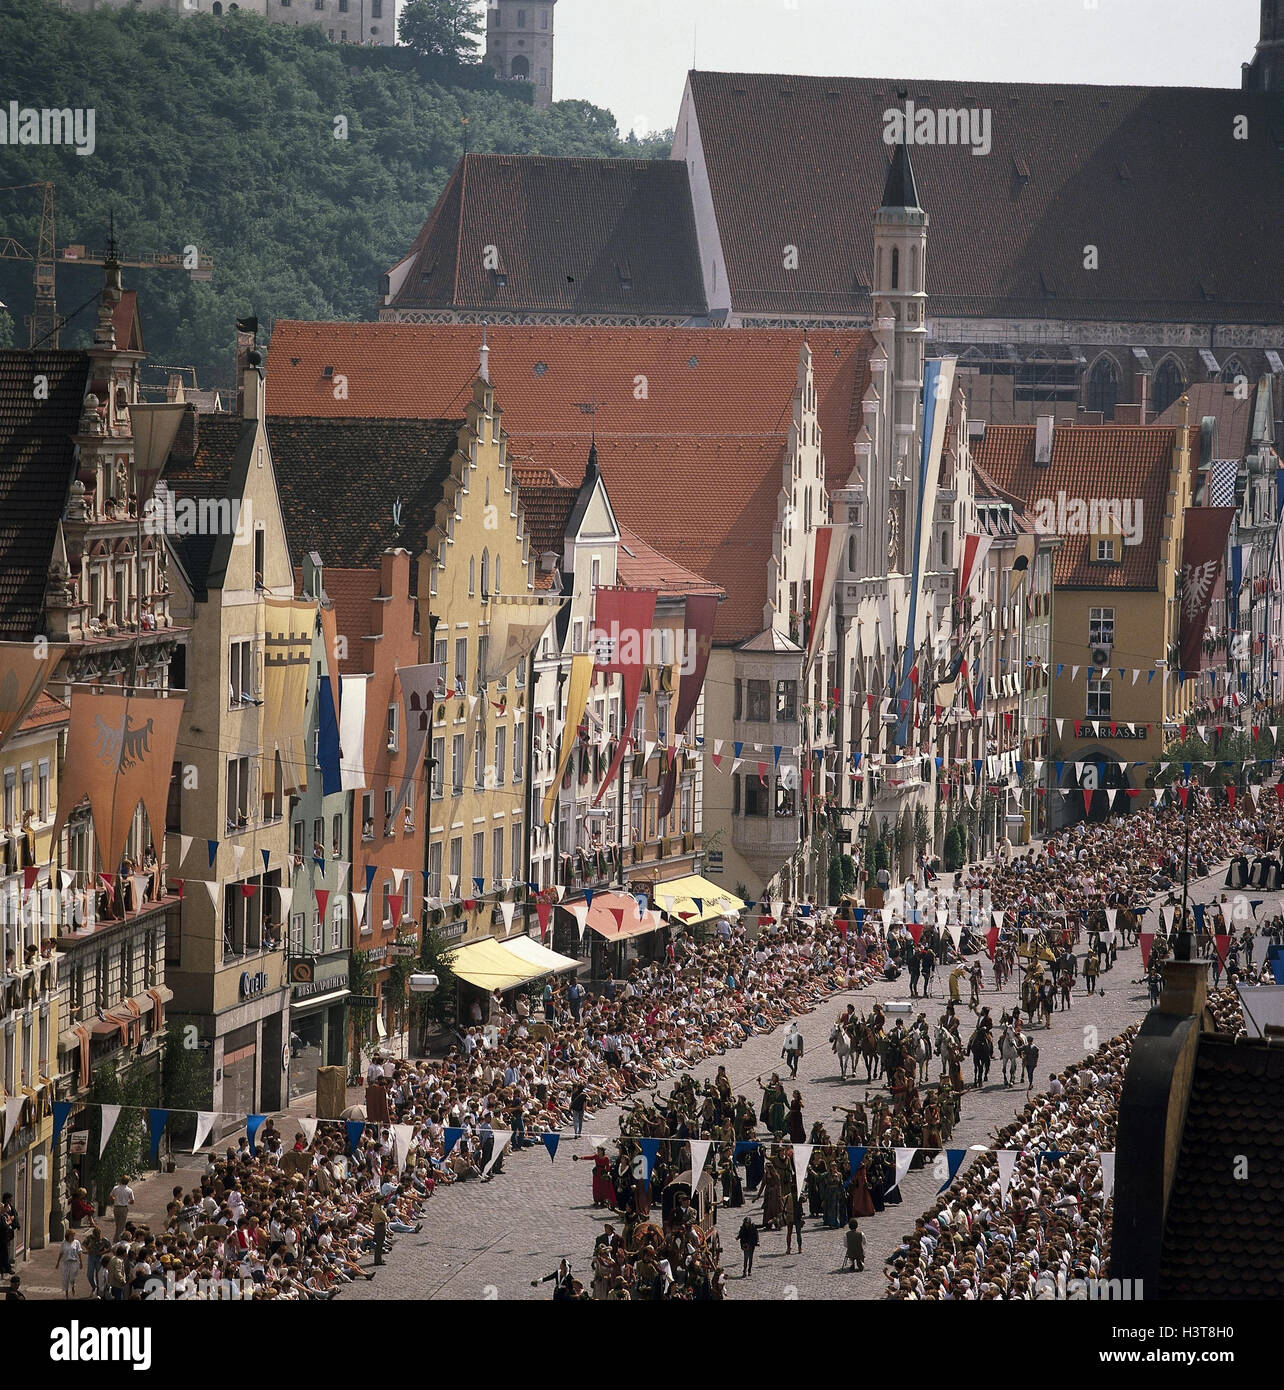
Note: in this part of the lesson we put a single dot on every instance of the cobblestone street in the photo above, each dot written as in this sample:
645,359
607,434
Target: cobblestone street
490,1241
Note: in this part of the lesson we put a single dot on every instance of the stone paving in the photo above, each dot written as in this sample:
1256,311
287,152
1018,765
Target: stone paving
489,1241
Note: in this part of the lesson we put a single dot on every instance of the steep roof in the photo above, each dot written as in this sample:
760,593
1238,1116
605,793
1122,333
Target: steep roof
1091,463
578,236
48,712
801,161
1221,1235
339,479
640,565
215,472
1217,398
350,593
546,511
691,424
37,463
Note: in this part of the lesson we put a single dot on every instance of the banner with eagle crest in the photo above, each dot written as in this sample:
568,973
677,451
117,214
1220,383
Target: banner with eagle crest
1203,551
120,751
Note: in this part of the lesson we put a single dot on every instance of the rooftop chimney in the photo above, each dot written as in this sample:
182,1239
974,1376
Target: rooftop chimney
1043,429
483,365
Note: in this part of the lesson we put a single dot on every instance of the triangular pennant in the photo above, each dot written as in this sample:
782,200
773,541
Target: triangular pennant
1107,1174
502,1136
1145,940
904,1157
550,1141
802,1157
699,1153
450,1136
404,1135
205,1122
506,911
156,1122
650,1148
309,1128
108,1115
1006,1159
355,1129
253,1123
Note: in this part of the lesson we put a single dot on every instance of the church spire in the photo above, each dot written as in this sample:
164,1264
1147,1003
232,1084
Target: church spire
900,190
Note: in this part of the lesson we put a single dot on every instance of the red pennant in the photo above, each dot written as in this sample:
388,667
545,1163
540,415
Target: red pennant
806,781
869,703
179,882
108,879
717,761
1183,793
1223,945
249,889
1114,730
762,773
469,904
1077,727
915,930
543,911
618,914
1183,733
29,878
992,940
1133,791
1219,731
842,928
394,902
323,900
1087,801
1230,796
1147,940
1279,791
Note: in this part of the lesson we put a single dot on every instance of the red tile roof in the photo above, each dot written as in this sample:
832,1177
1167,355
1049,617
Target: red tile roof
47,712
351,592
587,236
640,565
801,161
691,424
545,512
1090,462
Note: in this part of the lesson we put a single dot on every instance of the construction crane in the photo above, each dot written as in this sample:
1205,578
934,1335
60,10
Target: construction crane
44,322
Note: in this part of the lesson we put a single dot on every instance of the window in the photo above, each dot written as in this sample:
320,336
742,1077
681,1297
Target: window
497,854
1104,551
662,720
472,576
260,543
367,815
434,869
543,19
376,9
238,793
479,759
1103,387
518,846
392,728
519,750
240,679
296,933
521,19
336,836
461,665
28,789
1168,385
456,858
438,768
735,795
896,268
387,904
483,648
501,754
755,797
296,839
1098,699
759,707
786,701
343,6
43,797
785,803
479,856
577,636
1101,627
389,801
596,573
336,922
318,838
457,764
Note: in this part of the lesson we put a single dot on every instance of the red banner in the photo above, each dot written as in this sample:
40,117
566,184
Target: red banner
697,646
1203,552
623,634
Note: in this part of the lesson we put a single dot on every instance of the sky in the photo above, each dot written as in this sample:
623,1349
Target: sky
632,56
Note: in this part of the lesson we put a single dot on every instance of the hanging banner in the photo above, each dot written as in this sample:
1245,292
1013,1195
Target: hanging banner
328,756
287,645
420,686
1027,548
1203,551
975,549
154,427
517,622
120,751
622,638
330,637
25,670
697,623
352,734
577,690
830,551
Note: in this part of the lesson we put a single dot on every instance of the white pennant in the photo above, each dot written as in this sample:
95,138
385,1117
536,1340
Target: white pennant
238,853
287,897
184,844
506,911
67,878
359,907
1112,916
777,908
204,1123
109,1115
648,747
1074,673
1006,1159
397,876
580,912
1107,1173
502,1136
404,1136
308,1127
1168,912
699,1153
904,1157
344,865
212,890
13,1113
1060,725
802,1157
140,887
453,881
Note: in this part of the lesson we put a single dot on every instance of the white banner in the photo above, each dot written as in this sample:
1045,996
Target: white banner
699,1153
506,911
1006,1159
904,1157
404,1135
1107,1173
802,1157
308,1127
580,912
352,724
204,1123
110,1114
502,1136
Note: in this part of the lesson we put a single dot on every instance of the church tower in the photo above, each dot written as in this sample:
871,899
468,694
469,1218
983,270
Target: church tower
519,43
900,327
1266,72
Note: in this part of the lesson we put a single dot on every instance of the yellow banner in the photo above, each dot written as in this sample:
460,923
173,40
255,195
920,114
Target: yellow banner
576,699
287,649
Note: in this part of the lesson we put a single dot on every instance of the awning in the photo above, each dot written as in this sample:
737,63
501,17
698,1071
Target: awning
317,1001
488,964
695,899
549,962
601,917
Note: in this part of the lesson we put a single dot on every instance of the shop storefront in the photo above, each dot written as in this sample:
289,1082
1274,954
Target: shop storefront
318,1025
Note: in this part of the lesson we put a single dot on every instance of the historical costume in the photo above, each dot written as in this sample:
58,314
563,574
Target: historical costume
773,1207
797,1128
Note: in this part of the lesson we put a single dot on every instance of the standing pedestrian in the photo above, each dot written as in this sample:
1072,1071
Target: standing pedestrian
748,1238
855,1246
122,1198
69,1259
579,1100
379,1220
1031,1062
8,1232
793,1049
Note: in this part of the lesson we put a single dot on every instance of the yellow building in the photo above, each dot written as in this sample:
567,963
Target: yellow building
32,910
1116,496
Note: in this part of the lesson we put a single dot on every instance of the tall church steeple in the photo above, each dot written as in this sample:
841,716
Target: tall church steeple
1265,73
899,297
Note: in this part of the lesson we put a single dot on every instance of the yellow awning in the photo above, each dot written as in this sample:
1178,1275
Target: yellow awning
545,961
695,899
488,965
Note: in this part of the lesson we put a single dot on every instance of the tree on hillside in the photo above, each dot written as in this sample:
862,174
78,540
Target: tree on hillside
445,28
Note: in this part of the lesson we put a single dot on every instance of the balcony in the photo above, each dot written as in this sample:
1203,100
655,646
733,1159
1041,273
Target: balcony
766,835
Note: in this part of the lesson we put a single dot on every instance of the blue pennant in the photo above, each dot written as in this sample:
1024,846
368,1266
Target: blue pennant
551,1142
954,1159
156,1121
450,1136
253,1123
650,1148
355,1130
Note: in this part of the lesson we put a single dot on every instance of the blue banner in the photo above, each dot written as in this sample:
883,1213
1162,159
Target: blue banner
450,1136
355,1128
954,1159
61,1109
156,1121
650,1148
253,1123
328,740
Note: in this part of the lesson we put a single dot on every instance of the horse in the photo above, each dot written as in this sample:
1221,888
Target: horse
871,1046
981,1046
1010,1054
919,1049
843,1045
